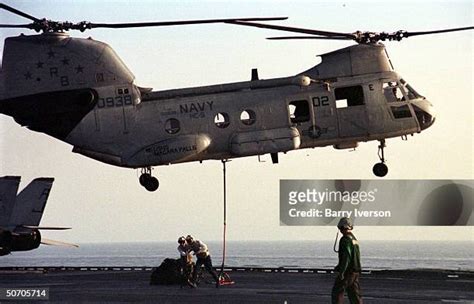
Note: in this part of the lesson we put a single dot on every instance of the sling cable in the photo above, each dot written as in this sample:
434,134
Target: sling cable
224,278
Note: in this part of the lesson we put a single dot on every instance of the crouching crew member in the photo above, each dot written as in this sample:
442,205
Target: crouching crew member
203,258
348,267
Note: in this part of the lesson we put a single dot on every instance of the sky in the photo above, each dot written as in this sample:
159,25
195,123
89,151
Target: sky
105,203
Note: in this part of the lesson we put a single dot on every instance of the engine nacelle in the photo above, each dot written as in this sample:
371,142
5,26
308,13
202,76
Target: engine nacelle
5,242
19,242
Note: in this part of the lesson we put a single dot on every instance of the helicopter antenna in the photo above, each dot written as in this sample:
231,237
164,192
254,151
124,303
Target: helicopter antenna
358,36
49,26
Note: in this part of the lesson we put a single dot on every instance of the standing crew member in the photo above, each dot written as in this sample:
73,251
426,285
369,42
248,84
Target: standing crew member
348,267
203,258
185,261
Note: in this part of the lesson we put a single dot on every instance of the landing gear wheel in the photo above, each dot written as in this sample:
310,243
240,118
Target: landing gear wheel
147,181
152,184
380,169
144,178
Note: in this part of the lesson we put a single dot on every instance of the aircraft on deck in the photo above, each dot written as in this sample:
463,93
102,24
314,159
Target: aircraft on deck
20,214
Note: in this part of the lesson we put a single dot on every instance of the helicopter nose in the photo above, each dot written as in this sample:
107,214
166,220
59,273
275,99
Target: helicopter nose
425,113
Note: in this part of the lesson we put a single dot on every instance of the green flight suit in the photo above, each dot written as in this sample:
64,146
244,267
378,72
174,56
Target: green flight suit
349,271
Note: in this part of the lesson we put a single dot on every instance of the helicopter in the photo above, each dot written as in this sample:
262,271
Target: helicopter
80,92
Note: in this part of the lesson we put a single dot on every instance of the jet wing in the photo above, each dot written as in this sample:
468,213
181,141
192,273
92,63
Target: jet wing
57,243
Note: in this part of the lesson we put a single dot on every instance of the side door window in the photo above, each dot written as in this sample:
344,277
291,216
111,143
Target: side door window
351,111
299,111
349,97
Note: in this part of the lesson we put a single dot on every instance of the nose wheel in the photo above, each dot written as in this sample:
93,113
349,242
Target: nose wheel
148,181
381,169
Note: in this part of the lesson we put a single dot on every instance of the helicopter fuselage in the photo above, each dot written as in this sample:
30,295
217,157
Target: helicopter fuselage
160,131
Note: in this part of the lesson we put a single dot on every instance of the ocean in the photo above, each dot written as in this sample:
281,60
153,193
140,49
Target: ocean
313,254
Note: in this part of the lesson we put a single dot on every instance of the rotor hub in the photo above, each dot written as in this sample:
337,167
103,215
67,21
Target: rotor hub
374,37
50,26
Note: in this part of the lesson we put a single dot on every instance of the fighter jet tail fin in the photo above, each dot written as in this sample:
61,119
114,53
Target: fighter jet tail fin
31,201
8,189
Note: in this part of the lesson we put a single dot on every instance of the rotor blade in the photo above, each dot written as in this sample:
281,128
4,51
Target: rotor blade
408,34
15,25
293,29
57,243
184,22
46,228
308,37
17,12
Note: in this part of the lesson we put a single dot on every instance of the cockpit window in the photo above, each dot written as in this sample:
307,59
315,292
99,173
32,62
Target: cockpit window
392,92
411,93
402,111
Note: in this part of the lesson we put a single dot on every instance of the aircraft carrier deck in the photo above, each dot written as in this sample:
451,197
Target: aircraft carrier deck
252,285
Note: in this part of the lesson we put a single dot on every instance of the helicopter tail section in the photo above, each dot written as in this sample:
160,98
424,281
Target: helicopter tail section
50,82
55,62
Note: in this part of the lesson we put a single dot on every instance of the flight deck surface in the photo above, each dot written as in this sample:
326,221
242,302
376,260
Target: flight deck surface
257,286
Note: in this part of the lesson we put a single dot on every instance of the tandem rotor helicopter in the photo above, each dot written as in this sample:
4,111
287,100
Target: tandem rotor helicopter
80,92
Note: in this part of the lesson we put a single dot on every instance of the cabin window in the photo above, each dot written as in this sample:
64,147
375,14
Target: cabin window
222,120
247,117
401,111
299,111
172,126
392,92
349,97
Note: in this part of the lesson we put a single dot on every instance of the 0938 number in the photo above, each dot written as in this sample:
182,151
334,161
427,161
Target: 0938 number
112,102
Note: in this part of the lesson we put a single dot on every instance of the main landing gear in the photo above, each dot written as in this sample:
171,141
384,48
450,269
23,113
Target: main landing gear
381,169
147,180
